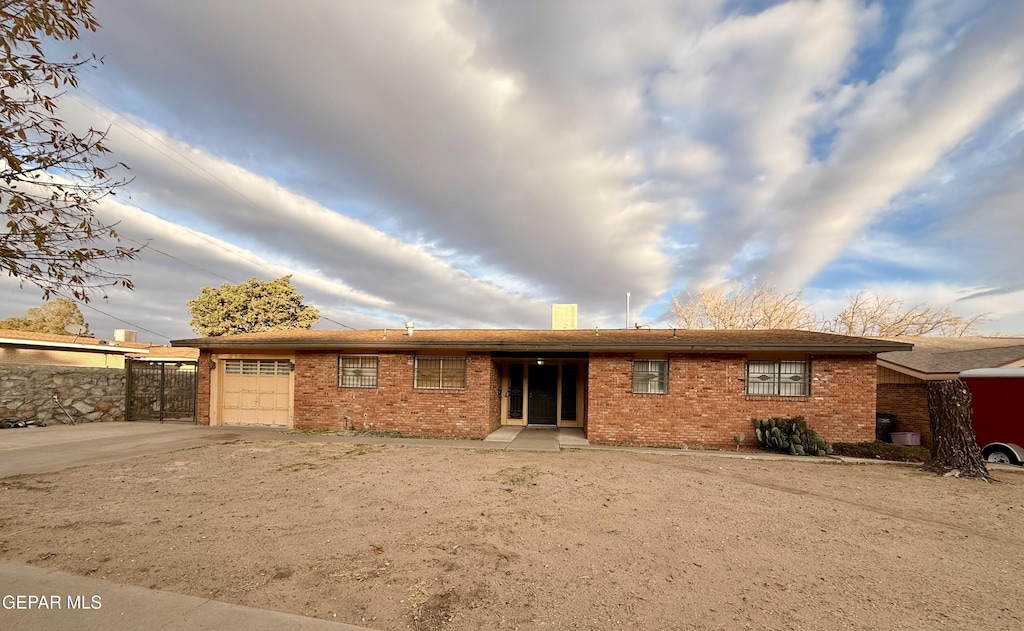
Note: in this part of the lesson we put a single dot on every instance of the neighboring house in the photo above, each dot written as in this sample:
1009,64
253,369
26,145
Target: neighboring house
47,377
23,347
651,387
903,375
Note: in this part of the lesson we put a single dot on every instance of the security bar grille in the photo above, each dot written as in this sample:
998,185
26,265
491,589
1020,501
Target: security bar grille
357,371
778,378
439,373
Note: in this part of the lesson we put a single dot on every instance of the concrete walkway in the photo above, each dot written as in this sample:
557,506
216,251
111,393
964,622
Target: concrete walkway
115,606
518,438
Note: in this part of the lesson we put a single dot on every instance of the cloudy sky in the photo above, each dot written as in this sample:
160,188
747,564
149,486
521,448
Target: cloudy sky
464,163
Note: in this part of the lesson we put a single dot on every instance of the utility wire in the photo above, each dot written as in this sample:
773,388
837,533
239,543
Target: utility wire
131,324
187,159
191,165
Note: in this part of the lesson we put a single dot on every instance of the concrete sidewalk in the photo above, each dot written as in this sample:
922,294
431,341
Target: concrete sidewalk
518,438
115,606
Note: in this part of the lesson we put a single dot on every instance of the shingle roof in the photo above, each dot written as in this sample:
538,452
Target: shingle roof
66,342
46,337
168,352
524,340
79,342
949,355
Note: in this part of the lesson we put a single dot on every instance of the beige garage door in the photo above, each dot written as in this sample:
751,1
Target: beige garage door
257,392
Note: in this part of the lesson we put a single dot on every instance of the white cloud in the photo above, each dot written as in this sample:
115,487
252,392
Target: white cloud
465,163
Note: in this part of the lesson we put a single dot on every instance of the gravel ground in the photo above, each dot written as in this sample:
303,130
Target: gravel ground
427,538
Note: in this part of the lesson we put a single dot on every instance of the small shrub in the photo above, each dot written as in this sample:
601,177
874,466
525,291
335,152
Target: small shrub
883,451
790,436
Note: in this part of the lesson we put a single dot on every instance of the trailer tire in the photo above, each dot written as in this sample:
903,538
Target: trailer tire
1001,455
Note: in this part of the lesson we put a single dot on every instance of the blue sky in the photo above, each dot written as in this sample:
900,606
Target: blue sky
466,164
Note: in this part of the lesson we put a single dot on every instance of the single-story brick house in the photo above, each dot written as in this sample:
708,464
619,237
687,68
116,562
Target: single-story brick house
903,376
652,387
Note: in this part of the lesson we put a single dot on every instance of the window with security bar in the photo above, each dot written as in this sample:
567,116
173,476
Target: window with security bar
357,371
778,378
439,373
650,376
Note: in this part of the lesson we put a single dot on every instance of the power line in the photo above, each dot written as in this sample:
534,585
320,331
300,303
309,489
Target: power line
203,171
160,140
131,324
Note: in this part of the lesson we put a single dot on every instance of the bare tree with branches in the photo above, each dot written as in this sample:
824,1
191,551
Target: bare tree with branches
743,306
50,177
738,305
877,315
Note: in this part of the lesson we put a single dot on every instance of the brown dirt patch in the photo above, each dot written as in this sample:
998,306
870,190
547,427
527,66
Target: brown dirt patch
432,538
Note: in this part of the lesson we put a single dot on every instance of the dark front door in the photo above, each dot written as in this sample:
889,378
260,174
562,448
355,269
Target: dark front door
543,394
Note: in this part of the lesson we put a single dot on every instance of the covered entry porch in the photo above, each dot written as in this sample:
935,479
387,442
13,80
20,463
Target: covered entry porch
546,390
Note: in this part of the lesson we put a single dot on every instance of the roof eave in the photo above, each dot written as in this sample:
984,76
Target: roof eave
70,346
867,349
917,374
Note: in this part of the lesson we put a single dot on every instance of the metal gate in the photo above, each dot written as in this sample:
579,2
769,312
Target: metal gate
160,390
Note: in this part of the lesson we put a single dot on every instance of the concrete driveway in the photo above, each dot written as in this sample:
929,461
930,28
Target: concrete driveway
44,449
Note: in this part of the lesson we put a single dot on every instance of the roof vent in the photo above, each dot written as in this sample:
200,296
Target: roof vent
409,328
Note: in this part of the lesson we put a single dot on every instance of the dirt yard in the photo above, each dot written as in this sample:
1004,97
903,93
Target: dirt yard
432,538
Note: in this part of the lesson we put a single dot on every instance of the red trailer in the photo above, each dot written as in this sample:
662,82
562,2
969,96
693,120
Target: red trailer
997,396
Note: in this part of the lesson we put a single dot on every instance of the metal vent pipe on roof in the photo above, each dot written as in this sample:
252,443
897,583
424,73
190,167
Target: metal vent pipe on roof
409,328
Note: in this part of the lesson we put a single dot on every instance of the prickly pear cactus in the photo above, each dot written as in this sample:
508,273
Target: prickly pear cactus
791,436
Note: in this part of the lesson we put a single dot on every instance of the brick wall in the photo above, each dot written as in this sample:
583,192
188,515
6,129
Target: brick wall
909,402
707,406
394,405
203,388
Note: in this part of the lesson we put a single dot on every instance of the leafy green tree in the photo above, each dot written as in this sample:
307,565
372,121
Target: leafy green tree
51,178
250,307
53,317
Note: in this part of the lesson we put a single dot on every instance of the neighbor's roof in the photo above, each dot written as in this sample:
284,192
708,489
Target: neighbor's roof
522,340
178,353
29,339
945,356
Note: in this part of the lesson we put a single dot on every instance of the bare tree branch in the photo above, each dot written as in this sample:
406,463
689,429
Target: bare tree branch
745,306
742,306
878,315
50,177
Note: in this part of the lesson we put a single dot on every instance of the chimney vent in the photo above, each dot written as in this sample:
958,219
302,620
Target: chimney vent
563,317
409,328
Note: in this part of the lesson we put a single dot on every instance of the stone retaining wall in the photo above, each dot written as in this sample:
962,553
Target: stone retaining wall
88,394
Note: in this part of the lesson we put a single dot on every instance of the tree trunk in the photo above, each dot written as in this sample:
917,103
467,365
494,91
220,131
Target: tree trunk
954,446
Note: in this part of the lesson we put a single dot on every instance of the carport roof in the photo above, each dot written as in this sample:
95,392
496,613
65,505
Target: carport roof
525,340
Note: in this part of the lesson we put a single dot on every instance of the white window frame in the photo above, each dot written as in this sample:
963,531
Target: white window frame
778,378
650,376
357,364
448,371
